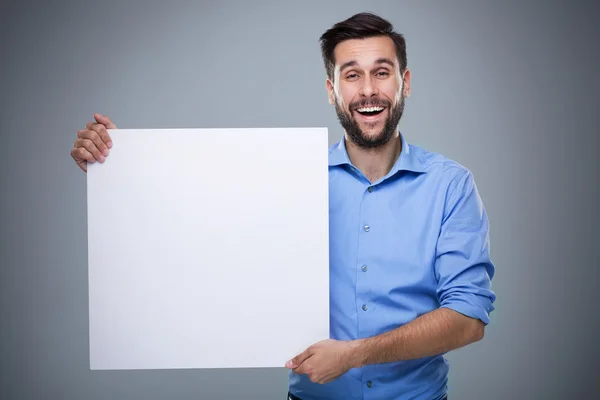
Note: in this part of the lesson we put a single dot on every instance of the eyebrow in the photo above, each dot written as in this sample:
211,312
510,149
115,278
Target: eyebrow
381,60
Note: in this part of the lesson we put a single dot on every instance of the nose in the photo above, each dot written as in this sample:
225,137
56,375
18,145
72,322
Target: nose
369,87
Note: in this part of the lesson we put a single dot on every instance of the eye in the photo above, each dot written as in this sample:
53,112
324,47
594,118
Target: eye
351,76
383,73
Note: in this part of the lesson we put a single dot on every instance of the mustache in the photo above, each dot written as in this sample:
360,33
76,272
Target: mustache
370,103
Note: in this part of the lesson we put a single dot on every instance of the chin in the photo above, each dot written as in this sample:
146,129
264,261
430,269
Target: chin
374,140
372,136
369,133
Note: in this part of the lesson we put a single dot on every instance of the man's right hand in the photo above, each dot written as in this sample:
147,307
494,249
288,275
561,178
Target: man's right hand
93,143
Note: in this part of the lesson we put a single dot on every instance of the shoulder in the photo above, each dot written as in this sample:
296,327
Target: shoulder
440,166
451,179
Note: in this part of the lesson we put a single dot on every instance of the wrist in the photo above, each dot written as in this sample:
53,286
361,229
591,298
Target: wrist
358,354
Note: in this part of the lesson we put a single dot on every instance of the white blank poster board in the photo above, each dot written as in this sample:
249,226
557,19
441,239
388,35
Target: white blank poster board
208,248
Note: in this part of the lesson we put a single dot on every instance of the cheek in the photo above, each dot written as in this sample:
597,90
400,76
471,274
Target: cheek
400,89
346,96
396,92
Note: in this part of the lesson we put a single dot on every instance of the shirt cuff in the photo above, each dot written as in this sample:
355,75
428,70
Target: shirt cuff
477,307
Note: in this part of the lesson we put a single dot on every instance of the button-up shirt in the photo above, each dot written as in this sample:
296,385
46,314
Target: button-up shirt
409,243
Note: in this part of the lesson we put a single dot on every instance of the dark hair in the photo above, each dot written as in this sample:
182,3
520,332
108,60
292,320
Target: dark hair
359,26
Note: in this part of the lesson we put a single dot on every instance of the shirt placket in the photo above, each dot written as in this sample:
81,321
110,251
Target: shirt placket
364,274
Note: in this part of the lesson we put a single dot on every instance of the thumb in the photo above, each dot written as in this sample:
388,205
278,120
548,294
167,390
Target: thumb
299,359
104,120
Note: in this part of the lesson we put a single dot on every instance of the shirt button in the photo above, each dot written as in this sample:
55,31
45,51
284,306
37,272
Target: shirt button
367,228
364,268
369,384
370,189
364,307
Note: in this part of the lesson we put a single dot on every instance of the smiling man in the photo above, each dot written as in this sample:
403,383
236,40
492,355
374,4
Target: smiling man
410,271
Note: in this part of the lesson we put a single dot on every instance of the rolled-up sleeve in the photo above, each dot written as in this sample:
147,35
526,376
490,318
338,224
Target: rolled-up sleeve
463,267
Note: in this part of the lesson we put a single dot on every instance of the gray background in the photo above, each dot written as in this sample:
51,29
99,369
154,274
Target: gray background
509,89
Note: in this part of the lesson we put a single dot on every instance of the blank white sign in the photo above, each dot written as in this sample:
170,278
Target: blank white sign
208,248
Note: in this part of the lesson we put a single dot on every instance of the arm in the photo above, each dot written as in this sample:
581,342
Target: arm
436,332
463,271
432,333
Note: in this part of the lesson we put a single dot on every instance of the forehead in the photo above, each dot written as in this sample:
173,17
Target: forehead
365,52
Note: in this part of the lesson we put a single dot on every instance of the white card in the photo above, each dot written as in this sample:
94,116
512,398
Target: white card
208,248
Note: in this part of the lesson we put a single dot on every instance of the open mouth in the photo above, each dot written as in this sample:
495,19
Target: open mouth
370,111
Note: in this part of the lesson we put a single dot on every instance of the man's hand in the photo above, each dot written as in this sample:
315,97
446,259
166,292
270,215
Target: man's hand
93,142
325,361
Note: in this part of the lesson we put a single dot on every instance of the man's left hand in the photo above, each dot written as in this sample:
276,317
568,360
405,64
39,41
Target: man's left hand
325,361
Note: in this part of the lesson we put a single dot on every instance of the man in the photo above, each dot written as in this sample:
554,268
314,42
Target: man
410,270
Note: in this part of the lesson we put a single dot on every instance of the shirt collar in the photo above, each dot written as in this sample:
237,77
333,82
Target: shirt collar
407,161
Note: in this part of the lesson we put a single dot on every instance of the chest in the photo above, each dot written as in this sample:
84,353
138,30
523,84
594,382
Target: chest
392,226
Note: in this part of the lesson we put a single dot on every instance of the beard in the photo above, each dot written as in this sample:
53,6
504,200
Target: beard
357,136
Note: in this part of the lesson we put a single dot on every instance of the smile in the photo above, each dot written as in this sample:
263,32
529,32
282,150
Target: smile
369,110
369,113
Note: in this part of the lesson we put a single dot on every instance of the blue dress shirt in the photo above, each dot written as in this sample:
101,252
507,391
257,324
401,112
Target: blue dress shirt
414,241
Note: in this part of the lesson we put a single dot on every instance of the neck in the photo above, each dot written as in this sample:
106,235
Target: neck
375,163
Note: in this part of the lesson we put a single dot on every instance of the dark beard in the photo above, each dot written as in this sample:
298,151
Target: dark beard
358,137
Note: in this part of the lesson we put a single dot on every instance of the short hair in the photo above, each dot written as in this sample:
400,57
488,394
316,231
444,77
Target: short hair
360,26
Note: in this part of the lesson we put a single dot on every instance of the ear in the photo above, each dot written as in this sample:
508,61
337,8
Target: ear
406,83
329,86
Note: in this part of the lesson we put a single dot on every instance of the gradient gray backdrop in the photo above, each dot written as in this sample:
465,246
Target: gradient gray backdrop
509,89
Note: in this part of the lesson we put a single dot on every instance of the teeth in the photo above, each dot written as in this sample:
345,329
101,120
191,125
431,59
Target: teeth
370,109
